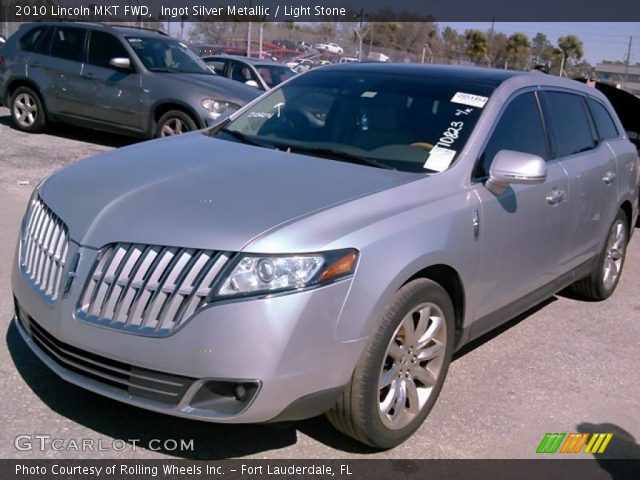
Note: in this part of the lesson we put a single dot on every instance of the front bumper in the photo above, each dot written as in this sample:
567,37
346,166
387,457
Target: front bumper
282,351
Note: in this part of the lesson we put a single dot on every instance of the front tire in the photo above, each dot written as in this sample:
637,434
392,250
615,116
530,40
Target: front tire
174,122
603,280
27,111
402,369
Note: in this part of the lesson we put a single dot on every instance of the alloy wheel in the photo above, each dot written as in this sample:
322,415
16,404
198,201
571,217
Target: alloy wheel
614,255
174,126
412,365
25,110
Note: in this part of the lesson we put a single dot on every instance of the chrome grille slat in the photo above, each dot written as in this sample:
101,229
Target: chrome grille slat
44,247
148,289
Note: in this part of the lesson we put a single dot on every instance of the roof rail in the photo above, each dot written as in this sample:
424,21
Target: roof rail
137,27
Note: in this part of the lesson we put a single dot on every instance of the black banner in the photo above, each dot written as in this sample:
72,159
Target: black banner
547,469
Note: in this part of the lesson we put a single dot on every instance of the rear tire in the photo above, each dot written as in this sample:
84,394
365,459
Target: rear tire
401,371
27,110
603,280
174,122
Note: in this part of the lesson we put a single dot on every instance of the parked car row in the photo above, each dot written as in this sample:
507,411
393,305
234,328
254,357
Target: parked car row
130,80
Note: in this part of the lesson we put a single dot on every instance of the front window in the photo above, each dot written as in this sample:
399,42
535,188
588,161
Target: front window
167,55
402,122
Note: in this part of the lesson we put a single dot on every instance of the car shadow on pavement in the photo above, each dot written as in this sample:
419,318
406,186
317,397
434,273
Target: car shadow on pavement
147,429
622,446
80,134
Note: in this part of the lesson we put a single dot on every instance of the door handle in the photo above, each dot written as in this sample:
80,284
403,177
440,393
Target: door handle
555,197
36,64
88,76
609,178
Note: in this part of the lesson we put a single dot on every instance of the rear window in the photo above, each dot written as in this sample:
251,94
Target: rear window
36,40
569,120
68,43
604,123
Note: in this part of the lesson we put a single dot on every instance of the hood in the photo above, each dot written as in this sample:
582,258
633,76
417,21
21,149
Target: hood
196,191
213,85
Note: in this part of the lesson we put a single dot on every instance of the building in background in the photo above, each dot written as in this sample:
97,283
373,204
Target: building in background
620,75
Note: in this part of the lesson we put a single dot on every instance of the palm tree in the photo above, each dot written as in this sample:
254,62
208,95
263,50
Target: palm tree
571,48
477,45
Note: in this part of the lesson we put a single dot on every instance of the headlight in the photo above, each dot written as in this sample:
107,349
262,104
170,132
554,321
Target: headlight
263,274
218,107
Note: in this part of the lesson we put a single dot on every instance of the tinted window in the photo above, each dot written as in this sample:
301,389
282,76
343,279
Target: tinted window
570,123
103,47
604,123
36,40
519,128
68,43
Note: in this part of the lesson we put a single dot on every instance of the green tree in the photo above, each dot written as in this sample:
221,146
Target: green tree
498,53
476,45
453,44
541,50
572,50
518,49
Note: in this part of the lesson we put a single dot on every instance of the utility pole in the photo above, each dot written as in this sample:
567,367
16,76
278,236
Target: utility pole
249,40
626,64
491,33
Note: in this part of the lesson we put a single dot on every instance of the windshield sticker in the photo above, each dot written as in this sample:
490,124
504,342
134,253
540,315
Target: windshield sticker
439,159
450,135
469,99
368,94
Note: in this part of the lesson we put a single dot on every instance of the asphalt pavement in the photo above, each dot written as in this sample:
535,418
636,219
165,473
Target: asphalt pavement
566,366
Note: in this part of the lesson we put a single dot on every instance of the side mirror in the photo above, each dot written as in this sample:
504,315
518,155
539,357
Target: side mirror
252,83
515,167
121,63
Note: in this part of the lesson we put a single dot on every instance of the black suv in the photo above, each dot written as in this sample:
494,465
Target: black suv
135,81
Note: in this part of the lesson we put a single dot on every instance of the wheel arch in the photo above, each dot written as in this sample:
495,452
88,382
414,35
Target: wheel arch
16,83
449,279
627,208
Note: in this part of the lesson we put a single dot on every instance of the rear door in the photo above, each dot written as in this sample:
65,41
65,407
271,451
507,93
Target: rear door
63,67
591,169
523,231
110,95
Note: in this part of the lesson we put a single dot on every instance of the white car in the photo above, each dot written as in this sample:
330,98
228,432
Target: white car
329,48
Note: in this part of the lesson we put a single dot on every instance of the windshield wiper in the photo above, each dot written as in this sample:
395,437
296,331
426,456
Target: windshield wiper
161,69
245,138
341,155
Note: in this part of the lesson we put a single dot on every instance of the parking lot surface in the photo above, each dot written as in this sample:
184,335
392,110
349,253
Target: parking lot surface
566,366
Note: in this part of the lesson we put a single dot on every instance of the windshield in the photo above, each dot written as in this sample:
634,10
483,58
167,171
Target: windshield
274,75
167,55
404,122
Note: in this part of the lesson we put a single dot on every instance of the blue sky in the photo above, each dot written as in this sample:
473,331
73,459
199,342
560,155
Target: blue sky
602,41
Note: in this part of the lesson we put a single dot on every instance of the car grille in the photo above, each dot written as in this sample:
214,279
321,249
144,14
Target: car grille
148,289
140,382
44,246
